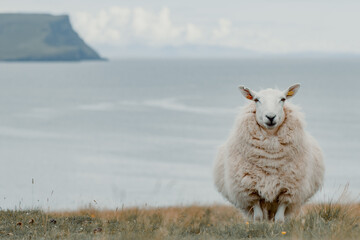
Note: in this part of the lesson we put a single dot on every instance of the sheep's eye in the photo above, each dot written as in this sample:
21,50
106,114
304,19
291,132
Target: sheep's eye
256,99
283,99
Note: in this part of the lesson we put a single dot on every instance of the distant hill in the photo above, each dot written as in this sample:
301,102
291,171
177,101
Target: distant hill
41,37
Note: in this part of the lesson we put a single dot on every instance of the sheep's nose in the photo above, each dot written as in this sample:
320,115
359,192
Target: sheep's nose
270,117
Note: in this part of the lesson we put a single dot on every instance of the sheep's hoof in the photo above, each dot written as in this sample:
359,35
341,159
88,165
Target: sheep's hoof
279,219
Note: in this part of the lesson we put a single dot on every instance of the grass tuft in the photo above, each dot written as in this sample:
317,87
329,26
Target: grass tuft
321,221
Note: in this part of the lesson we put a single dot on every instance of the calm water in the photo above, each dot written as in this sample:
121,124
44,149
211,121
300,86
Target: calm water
135,132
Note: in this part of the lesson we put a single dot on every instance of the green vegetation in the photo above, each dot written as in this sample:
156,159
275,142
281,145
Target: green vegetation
41,37
325,221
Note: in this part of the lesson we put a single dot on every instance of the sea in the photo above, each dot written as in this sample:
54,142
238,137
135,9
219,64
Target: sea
145,132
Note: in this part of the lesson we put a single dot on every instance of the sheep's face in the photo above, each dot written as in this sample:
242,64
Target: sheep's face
270,105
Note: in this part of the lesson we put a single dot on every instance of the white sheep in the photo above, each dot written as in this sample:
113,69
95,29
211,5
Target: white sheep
270,165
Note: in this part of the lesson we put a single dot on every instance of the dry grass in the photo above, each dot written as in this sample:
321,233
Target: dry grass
323,221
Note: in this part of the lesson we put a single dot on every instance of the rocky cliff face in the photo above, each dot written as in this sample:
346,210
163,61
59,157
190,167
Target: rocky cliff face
41,37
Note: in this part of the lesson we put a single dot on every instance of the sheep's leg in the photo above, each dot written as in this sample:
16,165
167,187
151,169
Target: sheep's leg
280,213
258,213
265,213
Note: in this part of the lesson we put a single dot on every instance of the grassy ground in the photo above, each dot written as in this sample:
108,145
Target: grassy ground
326,221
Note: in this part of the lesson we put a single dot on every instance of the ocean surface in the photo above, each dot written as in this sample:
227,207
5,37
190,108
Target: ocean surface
145,132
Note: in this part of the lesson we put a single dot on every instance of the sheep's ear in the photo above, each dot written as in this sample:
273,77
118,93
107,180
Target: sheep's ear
247,93
291,91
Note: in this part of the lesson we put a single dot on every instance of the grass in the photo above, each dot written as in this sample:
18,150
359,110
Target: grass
322,221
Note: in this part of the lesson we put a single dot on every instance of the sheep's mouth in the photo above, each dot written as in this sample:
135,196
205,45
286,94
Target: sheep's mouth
270,125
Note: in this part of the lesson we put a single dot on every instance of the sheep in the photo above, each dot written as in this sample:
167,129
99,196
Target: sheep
269,166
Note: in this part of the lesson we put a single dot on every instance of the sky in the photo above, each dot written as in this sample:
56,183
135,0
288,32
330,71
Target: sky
270,27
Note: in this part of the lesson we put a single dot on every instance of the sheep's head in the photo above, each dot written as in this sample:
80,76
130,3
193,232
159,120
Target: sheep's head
270,104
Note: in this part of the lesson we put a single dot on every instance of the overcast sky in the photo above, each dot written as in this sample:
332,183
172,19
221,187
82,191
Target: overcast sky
277,26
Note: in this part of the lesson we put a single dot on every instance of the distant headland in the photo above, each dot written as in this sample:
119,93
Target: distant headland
41,37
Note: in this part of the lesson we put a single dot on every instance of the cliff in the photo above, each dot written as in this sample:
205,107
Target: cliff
41,37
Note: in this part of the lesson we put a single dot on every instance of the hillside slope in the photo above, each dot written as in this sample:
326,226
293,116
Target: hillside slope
41,37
